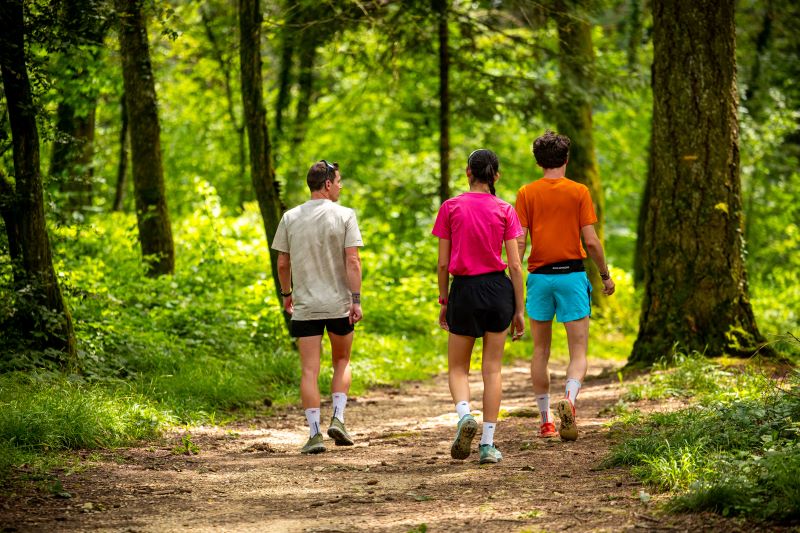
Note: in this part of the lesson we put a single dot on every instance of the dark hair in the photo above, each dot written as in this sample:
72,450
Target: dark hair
551,150
319,173
484,166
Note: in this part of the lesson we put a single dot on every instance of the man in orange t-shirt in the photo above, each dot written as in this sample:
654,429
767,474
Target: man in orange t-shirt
557,212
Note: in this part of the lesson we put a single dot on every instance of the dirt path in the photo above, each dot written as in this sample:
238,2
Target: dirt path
399,476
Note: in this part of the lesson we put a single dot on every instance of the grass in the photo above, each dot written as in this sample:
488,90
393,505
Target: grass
733,451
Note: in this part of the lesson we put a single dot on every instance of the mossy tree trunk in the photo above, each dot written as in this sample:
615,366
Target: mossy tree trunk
574,113
41,307
441,8
695,283
262,172
84,26
155,232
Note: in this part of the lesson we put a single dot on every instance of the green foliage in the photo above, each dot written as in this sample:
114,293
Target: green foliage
735,452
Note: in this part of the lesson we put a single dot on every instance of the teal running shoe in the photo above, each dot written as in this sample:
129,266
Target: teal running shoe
490,454
465,432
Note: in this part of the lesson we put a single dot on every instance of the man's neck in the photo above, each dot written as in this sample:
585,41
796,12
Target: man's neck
319,195
555,173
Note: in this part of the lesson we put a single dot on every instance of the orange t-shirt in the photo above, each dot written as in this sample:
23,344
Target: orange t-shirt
554,211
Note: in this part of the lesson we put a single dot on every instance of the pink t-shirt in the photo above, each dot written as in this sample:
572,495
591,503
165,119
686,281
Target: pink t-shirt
477,224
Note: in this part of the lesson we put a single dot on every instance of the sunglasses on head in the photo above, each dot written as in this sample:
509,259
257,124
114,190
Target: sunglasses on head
330,168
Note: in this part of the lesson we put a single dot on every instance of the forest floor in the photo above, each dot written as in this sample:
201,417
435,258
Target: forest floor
249,476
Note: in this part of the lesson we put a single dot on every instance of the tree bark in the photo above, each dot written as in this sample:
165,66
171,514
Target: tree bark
262,172
71,158
574,115
695,283
39,300
441,7
155,232
122,165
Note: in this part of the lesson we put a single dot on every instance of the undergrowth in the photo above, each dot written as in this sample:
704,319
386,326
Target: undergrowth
734,450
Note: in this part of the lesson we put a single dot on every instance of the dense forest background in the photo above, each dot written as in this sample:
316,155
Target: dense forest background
170,135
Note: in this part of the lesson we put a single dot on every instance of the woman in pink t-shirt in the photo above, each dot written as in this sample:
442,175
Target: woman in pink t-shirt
482,301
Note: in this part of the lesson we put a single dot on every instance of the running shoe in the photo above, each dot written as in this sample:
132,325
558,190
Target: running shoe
338,433
490,454
566,412
314,445
547,430
465,432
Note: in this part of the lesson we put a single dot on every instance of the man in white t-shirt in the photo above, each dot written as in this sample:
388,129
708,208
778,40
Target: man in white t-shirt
320,275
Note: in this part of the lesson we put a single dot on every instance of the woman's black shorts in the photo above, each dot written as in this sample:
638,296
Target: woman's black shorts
477,304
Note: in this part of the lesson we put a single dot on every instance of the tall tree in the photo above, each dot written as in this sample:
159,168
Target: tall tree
574,112
441,8
83,25
155,232
42,310
122,164
695,283
262,172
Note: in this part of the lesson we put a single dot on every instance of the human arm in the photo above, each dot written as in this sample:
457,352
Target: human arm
515,270
444,280
522,245
285,279
353,268
595,250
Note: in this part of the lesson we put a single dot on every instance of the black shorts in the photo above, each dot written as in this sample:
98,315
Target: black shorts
477,304
310,328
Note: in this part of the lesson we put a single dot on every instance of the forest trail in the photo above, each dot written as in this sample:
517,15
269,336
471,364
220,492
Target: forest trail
248,476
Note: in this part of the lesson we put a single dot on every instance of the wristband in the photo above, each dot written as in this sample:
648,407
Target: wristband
286,294
442,301
605,276
356,297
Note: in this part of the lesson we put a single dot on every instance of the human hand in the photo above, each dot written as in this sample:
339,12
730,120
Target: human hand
608,287
517,326
288,304
443,318
355,313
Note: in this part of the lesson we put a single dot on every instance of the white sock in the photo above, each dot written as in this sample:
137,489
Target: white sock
543,401
487,437
339,403
462,408
573,386
312,415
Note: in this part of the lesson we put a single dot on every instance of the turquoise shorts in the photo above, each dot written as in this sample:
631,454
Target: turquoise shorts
566,296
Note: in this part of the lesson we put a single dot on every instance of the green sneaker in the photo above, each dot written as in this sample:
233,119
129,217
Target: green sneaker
467,427
314,445
338,433
490,454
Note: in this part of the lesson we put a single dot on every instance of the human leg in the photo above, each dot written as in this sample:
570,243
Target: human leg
577,339
341,346
491,368
309,348
459,351
542,333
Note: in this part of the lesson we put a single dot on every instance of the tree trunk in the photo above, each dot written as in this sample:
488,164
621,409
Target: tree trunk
42,308
263,174
155,232
574,114
122,165
73,150
441,7
695,283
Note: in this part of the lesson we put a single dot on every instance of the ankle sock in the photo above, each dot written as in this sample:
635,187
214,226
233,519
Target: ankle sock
339,403
543,401
312,416
462,408
572,389
487,437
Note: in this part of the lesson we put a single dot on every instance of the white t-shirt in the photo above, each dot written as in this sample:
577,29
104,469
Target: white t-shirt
315,235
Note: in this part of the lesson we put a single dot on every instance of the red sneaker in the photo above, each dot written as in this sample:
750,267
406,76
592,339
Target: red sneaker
547,430
566,412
